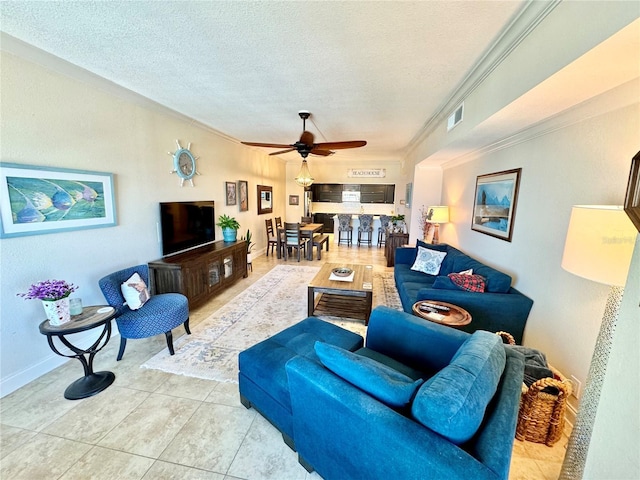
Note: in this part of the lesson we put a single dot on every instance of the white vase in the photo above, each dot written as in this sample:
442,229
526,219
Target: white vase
57,311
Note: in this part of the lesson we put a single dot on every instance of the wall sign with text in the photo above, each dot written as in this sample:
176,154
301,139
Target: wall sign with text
367,172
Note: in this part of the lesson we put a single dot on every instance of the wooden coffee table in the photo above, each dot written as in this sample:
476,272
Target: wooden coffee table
342,298
455,317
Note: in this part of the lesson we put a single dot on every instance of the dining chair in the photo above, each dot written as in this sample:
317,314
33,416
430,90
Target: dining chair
306,220
344,226
293,239
278,222
382,229
272,240
365,228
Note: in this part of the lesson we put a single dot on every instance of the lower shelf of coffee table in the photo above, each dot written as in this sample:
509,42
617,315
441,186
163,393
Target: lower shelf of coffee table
342,306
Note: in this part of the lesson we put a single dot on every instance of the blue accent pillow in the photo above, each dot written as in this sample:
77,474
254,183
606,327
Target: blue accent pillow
453,401
384,383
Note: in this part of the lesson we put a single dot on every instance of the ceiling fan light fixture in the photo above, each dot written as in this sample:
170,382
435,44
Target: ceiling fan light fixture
304,178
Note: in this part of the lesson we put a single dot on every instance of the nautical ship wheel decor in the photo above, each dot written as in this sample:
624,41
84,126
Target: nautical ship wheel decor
184,163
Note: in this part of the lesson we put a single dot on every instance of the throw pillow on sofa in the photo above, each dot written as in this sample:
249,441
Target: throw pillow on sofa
135,292
384,383
470,283
428,261
453,401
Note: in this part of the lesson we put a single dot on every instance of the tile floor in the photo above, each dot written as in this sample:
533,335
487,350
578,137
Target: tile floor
155,425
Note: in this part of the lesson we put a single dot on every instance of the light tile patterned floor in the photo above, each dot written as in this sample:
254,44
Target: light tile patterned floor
155,425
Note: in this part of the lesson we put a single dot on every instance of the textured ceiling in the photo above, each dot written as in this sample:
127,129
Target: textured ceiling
375,71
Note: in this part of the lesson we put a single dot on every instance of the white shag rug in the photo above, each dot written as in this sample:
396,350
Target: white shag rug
273,303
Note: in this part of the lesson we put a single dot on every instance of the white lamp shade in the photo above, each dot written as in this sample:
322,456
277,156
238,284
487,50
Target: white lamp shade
440,214
599,244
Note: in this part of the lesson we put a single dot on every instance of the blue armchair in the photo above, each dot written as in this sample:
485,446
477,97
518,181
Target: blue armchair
459,424
160,314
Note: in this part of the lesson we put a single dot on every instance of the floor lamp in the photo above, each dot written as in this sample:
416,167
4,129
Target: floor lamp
437,215
599,246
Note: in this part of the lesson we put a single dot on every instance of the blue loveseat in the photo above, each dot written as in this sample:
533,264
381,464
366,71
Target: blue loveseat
453,416
500,308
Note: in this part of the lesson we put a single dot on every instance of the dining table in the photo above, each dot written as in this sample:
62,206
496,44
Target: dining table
307,230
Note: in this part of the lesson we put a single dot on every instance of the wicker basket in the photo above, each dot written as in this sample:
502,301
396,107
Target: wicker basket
541,417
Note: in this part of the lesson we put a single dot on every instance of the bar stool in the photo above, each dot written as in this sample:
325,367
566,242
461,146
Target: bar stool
365,227
382,230
344,226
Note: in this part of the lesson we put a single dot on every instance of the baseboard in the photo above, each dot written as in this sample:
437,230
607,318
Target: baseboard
20,379
47,364
570,416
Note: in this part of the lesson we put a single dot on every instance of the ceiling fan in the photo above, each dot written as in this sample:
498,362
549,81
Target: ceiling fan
305,145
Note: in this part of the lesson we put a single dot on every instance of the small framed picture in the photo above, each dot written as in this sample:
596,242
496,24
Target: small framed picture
294,200
243,195
231,192
494,204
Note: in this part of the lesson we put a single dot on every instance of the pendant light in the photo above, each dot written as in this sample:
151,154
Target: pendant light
304,178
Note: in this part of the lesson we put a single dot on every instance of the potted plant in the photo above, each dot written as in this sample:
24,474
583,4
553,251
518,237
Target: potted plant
398,223
229,227
250,245
54,295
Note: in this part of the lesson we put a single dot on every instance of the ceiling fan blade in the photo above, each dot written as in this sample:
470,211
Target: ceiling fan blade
306,138
341,145
321,152
269,145
283,151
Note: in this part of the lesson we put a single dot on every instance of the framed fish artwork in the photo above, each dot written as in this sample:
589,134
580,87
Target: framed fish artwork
38,200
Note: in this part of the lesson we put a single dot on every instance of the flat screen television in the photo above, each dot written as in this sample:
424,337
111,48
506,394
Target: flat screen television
186,225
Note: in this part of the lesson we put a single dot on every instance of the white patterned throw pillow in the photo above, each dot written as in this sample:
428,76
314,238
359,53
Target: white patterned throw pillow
135,292
428,261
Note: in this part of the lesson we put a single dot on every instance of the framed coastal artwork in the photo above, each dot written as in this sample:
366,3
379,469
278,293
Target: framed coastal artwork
495,201
37,200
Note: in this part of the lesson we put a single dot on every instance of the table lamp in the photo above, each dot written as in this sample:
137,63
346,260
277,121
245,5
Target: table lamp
599,245
437,215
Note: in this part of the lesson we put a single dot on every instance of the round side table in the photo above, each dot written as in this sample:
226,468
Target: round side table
91,317
455,317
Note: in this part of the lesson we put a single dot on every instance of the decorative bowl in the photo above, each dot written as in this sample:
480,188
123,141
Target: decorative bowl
342,272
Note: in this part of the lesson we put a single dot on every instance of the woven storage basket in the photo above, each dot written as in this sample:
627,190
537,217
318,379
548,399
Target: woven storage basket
541,416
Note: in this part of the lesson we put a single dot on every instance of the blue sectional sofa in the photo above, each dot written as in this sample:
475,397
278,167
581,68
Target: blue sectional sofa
421,400
499,308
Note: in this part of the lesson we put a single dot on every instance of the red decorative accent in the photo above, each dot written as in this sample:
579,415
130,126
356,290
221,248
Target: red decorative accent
470,283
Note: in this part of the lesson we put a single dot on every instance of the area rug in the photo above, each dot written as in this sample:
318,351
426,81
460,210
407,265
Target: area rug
273,303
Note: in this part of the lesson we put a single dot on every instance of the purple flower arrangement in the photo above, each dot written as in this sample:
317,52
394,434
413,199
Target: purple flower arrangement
50,290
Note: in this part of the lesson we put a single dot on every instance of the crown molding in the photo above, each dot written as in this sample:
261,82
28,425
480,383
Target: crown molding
518,29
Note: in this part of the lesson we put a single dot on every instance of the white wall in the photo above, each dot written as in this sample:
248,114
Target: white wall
584,163
50,119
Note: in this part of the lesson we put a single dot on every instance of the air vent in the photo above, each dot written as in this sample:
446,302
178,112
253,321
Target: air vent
456,117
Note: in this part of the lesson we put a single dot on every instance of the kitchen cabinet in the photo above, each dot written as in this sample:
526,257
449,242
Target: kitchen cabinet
327,192
326,219
377,193
369,192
